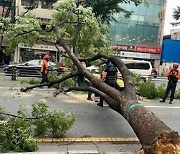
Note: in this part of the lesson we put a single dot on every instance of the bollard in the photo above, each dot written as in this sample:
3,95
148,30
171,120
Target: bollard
13,71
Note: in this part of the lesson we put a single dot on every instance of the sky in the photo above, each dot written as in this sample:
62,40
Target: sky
171,4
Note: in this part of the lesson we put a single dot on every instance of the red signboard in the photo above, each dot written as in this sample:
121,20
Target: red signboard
148,49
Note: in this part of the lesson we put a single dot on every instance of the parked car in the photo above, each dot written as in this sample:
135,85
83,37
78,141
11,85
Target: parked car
31,68
154,72
142,67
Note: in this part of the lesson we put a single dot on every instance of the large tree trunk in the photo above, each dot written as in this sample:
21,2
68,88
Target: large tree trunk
154,135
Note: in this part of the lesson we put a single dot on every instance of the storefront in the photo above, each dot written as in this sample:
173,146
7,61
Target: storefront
37,51
150,54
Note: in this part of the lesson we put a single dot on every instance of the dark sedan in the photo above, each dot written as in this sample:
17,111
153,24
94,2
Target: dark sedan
30,68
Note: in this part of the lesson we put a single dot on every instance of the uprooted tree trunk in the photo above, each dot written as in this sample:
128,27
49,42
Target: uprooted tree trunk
154,136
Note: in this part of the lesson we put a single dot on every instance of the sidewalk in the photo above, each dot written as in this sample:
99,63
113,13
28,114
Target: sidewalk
86,148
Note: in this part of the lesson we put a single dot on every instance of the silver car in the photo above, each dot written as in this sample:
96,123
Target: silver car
30,68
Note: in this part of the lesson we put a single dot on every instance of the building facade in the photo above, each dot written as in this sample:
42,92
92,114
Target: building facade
43,11
170,50
140,36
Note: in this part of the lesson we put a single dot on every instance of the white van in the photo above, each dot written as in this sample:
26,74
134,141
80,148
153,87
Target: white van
144,68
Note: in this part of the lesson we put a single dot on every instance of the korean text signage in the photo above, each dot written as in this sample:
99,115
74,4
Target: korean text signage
148,49
144,49
40,47
123,47
135,55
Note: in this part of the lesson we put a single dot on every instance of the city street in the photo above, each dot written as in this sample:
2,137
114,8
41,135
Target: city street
91,120
160,80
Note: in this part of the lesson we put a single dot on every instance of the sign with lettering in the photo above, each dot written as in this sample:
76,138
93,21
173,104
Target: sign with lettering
135,55
123,47
40,47
148,49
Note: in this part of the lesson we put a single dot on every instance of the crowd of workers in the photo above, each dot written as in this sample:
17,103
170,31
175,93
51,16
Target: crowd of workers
110,76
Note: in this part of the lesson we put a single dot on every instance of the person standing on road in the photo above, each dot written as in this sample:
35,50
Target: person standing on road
109,76
44,69
80,78
173,76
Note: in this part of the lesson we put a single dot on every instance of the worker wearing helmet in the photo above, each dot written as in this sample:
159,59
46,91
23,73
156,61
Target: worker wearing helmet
44,69
173,76
109,76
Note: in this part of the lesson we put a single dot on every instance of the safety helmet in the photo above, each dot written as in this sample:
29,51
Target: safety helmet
175,65
46,57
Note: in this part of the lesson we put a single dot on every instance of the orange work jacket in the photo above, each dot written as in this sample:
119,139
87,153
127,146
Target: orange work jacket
177,73
44,66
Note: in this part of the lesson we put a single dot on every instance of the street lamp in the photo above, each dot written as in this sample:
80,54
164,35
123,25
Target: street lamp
7,8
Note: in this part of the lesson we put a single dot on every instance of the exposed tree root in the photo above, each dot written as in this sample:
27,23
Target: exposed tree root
167,143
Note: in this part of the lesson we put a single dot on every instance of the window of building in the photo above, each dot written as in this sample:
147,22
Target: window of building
27,3
158,2
46,4
24,2
134,17
150,10
156,11
141,18
142,10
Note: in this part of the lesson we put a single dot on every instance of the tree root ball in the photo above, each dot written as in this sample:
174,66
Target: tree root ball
167,143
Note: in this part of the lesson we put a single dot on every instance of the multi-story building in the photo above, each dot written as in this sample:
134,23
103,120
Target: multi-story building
170,48
137,37
6,11
43,12
140,36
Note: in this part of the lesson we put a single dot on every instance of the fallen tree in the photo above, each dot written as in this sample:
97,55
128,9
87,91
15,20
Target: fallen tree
155,136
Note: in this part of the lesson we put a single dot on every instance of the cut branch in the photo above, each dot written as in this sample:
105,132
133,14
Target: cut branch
16,116
112,104
74,74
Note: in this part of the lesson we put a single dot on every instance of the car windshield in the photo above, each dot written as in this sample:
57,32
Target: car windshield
37,62
33,62
137,66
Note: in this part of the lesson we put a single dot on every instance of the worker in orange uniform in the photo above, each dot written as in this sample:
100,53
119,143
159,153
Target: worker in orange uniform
44,69
173,76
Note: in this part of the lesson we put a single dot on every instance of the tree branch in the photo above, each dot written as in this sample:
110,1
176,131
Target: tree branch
16,116
27,32
128,80
93,58
112,104
72,74
62,52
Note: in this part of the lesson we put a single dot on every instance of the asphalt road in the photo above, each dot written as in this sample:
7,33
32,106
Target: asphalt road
163,80
91,120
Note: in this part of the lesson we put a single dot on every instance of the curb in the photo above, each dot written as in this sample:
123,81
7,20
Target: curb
51,140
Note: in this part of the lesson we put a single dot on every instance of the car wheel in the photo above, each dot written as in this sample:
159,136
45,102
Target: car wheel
18,73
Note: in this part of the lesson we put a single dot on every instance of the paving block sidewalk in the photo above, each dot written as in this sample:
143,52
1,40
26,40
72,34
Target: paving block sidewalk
86,148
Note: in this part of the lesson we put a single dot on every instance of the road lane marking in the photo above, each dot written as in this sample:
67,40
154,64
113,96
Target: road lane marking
167,107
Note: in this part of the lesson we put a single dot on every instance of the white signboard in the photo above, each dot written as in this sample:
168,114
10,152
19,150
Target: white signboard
40,47
135,55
